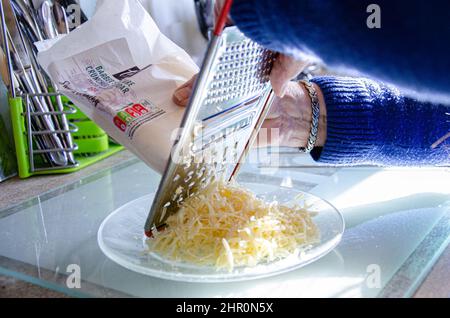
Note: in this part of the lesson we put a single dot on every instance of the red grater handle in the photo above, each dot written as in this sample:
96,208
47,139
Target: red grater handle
223,17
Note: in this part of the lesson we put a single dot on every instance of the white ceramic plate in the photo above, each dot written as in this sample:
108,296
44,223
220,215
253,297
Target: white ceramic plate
121,237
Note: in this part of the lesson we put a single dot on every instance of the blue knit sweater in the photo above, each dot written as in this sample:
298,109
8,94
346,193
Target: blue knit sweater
369,122
373,123
411,49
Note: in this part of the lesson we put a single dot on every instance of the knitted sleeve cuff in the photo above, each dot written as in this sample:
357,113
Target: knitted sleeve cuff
352,134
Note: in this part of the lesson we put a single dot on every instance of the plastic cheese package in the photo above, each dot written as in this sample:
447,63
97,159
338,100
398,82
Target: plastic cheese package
121,71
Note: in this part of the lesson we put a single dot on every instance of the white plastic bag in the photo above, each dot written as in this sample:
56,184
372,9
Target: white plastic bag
121,72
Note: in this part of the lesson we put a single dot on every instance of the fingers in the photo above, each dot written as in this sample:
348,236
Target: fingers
183,93
218,7
285,68
289,120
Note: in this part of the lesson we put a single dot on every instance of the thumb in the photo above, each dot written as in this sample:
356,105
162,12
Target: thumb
183,93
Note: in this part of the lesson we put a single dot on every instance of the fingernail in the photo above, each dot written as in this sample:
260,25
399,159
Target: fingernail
176,97
182,93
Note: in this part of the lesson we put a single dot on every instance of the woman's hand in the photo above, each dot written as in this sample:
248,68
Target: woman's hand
288,123
290,114
183,93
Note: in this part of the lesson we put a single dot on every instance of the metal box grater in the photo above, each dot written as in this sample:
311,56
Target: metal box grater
230,100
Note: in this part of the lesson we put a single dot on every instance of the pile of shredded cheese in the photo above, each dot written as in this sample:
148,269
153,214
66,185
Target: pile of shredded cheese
227,226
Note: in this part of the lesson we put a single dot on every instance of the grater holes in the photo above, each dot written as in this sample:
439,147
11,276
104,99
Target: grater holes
163,214
225,151
201,172
209,172
186,164
164,211
241,71
186,169
191,185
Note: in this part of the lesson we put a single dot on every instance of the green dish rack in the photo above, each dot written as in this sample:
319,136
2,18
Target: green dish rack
90,143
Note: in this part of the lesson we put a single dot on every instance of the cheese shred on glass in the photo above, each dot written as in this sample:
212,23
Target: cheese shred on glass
227,226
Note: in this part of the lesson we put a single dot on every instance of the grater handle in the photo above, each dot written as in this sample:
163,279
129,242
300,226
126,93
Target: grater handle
222,20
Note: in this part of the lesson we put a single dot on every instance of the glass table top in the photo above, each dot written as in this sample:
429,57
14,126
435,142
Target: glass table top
398,223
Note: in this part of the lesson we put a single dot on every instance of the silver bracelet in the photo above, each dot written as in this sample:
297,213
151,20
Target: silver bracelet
315,117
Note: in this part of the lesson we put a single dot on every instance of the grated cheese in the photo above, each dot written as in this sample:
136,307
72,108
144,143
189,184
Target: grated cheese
227,226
